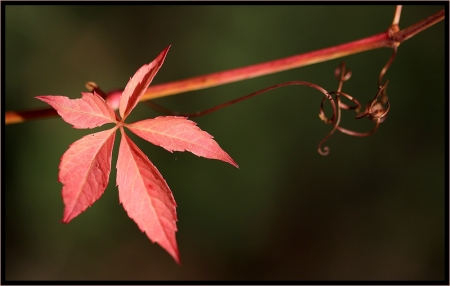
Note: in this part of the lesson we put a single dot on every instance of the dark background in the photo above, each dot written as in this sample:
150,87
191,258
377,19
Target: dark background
372,209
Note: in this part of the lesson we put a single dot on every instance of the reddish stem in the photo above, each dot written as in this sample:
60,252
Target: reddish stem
219,78
390,39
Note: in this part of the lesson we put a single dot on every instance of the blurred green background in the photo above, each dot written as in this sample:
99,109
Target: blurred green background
373,209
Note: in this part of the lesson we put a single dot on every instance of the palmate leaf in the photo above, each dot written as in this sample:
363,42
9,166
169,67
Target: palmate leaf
144,194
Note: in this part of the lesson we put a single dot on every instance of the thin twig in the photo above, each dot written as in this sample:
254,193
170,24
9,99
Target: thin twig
398,12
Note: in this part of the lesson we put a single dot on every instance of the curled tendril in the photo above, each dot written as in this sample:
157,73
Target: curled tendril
376,110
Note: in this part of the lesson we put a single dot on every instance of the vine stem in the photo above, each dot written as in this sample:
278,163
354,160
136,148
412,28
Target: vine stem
390,38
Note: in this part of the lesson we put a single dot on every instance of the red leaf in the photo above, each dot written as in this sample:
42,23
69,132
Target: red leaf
175,133
84,171
146,197
86,165
139,83
89,111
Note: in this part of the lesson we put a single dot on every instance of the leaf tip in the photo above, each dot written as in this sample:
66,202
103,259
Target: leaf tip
230,161
67,217
64,221
42,98
175,255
